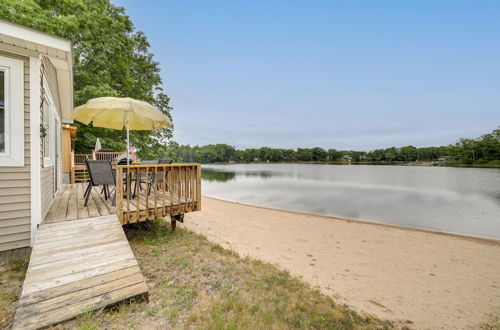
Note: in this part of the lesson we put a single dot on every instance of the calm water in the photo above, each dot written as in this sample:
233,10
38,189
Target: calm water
456,200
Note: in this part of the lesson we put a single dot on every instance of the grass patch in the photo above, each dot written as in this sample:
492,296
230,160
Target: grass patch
13,266
493,325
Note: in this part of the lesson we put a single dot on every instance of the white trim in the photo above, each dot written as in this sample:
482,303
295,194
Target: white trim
21,32
35,152
14,113
54,122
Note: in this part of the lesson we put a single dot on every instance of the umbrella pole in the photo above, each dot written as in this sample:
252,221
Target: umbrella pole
128,142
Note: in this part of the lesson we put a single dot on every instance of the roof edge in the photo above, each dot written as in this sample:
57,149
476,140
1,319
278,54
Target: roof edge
29,34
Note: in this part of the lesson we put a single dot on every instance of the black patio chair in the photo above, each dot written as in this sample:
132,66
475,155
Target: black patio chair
141,176
101,174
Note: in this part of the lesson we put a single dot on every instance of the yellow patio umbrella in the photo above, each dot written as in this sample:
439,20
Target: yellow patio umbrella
121,112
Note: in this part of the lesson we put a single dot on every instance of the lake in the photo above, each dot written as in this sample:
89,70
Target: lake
455,200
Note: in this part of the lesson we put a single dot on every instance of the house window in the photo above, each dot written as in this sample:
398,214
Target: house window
11,112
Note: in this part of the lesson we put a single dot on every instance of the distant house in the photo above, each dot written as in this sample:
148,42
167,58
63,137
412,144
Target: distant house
347,157
36,99
444,159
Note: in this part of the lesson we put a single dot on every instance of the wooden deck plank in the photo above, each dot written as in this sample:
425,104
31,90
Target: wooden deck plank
80,223
91,206
84,283
99,202
72,233
79,263
80,245
49,217
74,254
50,302
71,278
60,214
71,213
77,266
75,226
81,242
82,211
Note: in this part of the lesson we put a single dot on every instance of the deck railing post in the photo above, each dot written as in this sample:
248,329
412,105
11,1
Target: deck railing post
198,187
119,194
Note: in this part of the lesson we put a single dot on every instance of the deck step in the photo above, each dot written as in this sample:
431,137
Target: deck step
77,266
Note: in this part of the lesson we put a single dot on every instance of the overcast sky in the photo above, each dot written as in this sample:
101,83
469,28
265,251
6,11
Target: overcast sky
335,74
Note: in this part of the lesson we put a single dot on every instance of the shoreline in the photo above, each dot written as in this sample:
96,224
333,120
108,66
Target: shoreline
369,222
419,278
367,164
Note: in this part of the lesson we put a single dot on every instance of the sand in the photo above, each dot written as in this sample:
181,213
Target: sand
436,281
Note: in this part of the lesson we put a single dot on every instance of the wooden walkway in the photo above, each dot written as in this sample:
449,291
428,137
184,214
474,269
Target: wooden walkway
77,266
68,204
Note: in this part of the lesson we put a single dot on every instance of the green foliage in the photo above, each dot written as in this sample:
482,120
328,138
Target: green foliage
484,150
110,58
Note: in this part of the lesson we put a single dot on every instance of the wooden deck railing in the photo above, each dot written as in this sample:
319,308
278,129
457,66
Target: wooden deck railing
145,192
79,159
111,156
78,170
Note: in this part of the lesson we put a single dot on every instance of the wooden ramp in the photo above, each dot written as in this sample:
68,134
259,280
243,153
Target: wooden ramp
77,266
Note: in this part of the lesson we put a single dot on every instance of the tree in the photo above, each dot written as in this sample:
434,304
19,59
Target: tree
408,153
333,155
304,154
391,154
318,154
110,58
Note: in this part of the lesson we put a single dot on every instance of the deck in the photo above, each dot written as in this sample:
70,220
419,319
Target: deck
82,260
69,205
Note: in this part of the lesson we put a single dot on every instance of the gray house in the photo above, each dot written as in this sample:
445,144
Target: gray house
36,99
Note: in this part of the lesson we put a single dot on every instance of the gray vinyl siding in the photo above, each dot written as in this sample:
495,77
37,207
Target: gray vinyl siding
47,188
15,190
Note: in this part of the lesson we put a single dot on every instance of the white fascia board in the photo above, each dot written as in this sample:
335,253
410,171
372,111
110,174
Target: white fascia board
31,35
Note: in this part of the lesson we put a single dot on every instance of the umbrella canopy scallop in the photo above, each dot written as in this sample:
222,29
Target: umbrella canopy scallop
118,113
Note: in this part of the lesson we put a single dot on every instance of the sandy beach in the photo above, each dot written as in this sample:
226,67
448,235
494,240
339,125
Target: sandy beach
429,280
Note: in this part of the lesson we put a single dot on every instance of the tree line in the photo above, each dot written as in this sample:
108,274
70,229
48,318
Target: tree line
483,150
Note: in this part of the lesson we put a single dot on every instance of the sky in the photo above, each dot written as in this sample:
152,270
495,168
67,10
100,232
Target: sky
353,75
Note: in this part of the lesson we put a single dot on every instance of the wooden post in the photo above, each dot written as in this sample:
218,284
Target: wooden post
174,219
173,223
170,190
198,188
127,182
155,191
119,194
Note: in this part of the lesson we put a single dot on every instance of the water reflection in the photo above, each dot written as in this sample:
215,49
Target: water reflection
216,175
447,199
